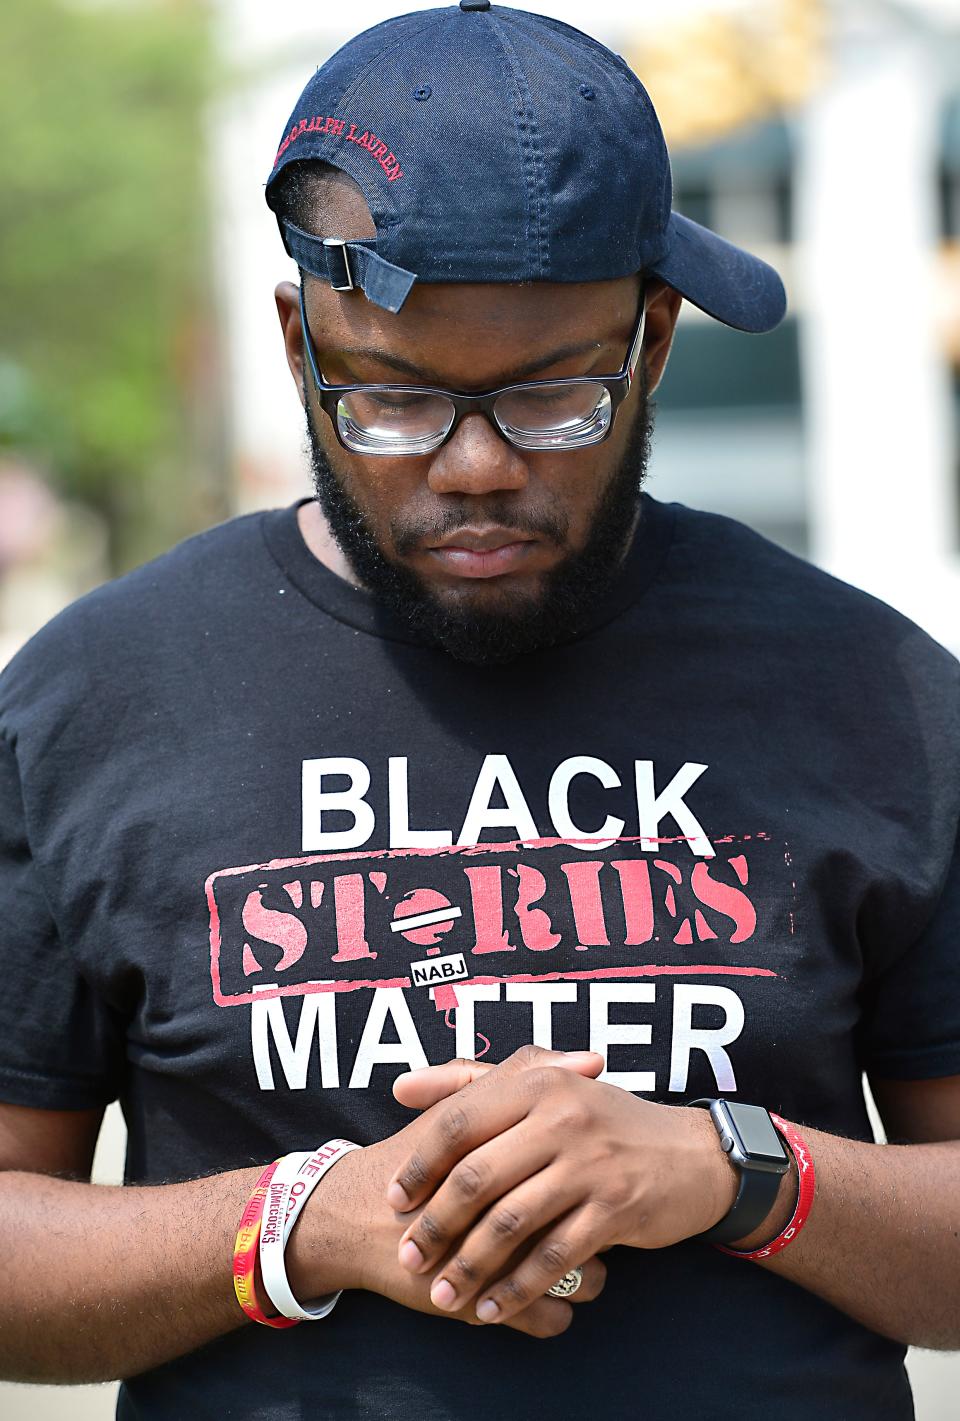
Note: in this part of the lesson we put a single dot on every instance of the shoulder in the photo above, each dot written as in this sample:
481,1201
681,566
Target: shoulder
202,564
824,621
109,634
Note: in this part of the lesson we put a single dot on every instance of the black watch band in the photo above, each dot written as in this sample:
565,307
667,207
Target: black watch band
750,1140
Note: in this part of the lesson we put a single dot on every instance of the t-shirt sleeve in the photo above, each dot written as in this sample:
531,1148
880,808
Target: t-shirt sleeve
61,1046
910,1028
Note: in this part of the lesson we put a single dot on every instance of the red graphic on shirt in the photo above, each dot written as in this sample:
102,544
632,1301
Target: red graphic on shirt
525,911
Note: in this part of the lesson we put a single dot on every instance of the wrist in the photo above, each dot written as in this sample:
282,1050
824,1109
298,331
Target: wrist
321,1254
718,1179
778,1217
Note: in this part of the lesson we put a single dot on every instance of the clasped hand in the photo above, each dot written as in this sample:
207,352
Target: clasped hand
529,1170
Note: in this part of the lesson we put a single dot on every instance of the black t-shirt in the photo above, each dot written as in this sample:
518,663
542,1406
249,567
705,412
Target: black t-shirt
260,851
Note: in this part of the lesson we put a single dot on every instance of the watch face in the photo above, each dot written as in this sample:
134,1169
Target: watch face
755,1132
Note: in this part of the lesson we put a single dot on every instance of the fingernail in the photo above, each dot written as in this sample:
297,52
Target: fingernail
397,1197
410,1256
488,1310
443,1294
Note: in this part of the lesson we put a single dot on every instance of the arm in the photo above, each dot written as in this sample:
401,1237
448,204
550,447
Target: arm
882,1244
883,1241
103,1282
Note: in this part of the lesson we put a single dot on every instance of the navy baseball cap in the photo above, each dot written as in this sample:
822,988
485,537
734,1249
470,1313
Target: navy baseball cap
494,145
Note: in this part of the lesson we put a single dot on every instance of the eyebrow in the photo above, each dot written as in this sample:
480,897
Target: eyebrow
429,377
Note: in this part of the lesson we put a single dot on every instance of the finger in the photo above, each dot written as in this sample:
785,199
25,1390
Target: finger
510,1223
594,1281
541,1320
479,1180
547,1317
421,1089
561,1249
478,1112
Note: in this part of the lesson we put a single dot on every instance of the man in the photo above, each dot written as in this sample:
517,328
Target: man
479,756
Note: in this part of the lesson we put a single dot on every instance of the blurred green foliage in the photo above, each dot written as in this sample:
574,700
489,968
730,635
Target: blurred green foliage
105,323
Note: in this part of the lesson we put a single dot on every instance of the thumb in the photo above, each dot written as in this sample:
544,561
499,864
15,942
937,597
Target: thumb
421,1089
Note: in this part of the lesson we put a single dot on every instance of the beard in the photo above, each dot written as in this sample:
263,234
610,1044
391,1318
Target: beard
570,594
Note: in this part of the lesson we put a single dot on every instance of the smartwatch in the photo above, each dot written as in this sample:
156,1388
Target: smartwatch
749,1139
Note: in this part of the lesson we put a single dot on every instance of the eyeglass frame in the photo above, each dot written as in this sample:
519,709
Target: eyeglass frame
617,386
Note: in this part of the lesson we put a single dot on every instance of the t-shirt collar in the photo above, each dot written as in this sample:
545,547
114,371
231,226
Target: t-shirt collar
361,610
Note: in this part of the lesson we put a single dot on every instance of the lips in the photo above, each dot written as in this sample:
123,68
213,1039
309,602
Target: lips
488,552
482,540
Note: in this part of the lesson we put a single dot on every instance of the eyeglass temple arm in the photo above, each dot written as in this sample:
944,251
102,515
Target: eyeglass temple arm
308,343
633,359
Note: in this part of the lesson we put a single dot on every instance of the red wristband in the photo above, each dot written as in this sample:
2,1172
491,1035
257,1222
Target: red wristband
801,1213
246,1250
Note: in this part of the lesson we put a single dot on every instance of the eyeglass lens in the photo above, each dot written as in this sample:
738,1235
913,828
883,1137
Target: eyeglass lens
564,415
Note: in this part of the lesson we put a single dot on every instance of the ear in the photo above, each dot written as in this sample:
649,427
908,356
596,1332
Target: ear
287,297
663,309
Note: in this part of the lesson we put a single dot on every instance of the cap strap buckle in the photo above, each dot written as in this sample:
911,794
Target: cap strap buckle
349,266
341,278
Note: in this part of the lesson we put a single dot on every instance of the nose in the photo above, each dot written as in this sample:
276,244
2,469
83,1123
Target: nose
477,460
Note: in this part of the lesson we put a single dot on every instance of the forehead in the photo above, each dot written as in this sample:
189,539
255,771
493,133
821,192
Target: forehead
472,332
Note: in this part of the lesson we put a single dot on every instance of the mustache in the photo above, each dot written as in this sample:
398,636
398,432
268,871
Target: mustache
538,522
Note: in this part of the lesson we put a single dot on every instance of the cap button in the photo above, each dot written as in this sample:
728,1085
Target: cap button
474,4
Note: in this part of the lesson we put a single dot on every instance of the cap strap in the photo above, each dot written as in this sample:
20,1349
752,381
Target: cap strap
349,264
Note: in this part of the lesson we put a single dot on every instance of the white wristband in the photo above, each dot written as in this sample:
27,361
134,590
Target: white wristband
296,1177
275,1202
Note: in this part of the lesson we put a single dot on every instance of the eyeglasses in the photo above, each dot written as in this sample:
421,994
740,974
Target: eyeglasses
417,419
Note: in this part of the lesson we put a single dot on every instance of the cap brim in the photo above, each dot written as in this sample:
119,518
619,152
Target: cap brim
723,280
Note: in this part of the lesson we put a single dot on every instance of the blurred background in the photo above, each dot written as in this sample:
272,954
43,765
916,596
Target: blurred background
144,393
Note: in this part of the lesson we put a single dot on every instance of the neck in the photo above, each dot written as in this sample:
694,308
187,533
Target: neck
317,535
